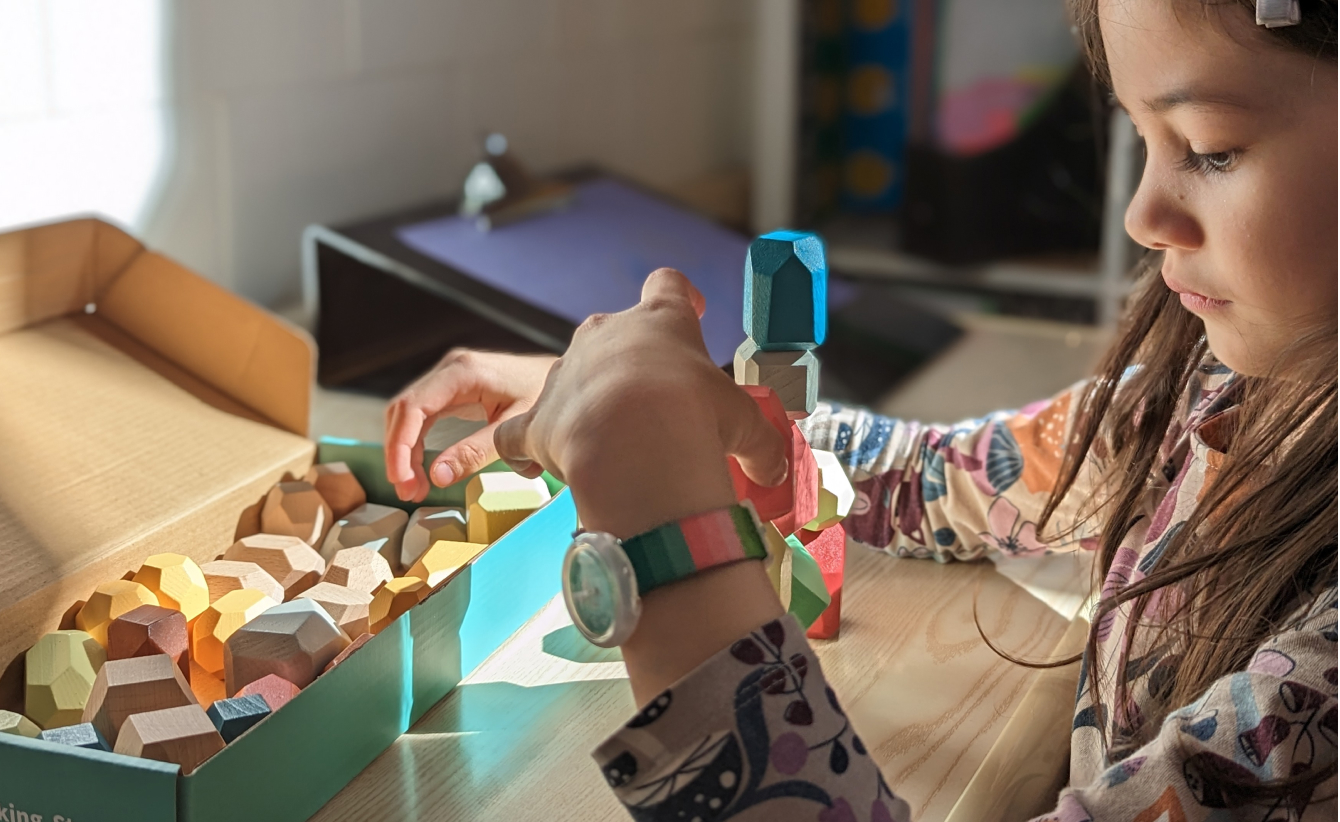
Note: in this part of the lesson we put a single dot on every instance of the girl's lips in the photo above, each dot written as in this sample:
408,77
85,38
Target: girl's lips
1193,301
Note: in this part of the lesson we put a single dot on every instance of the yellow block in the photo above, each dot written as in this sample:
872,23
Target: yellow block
178,583
109,601
443,560
498,501
59,674
395,598
778,563
835,492
228,613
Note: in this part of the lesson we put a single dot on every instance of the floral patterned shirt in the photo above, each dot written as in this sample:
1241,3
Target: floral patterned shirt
756,732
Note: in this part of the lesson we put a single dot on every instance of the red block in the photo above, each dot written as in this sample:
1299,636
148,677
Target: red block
829,549
770,503
273,688
804,486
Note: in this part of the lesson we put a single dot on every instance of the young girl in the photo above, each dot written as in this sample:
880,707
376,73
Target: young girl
1200,463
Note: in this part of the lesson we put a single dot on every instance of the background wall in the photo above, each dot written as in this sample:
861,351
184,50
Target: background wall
288,112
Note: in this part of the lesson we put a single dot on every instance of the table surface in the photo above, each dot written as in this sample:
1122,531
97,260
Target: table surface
925,692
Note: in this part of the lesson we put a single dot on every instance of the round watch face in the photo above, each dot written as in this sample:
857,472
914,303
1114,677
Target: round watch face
600,589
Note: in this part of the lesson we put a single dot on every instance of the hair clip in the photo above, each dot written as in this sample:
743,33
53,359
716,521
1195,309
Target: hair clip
1276,13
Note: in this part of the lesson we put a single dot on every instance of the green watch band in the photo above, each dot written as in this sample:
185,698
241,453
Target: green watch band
683,548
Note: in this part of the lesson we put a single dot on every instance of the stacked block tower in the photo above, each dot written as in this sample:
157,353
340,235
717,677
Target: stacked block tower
786,319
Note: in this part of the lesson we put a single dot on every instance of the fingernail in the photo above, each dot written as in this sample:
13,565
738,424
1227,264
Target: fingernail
442,475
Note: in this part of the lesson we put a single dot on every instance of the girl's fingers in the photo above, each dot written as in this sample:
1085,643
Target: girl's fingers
464,458
748,436
509,439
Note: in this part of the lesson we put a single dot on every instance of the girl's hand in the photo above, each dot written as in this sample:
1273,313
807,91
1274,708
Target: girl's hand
504,384
638,420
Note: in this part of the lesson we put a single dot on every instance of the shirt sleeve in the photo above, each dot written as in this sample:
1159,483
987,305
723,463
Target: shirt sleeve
1274,721
958,491
754,733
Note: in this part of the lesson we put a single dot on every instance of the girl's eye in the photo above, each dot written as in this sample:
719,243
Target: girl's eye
1207,164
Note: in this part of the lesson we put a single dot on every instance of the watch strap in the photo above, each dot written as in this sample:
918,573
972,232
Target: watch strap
679,549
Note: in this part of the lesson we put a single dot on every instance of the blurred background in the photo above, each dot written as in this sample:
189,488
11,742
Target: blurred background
310,155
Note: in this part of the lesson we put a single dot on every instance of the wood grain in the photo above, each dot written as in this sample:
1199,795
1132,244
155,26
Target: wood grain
926,694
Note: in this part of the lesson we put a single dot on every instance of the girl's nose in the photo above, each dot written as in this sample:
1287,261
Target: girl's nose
1159,216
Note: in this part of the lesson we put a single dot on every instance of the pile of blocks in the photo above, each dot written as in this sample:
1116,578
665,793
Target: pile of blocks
785,318
177,659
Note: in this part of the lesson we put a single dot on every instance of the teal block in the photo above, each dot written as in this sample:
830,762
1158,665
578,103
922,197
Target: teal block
232,717
809,594
786,291
79,736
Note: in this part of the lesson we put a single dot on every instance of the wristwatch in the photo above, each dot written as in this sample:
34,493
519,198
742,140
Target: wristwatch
604,578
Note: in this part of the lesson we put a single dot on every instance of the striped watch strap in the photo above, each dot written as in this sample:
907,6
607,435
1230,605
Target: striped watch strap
679,549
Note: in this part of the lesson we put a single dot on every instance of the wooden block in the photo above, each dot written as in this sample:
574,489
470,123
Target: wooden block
428,525
295,640
441,562
220,621
233,717
132,686
778,562
829,549
177,582
804,481
358,642
349,608
294,564
224,575
496,502
794,375
109,601
769,503
378,527
18,724
395,598
273,688
358,569
809,594
786,291
296,509
149,630
82,735
338,486
836,494
207,688
184,736
59,671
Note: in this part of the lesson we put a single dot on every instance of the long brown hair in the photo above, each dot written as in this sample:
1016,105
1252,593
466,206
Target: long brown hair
1262,539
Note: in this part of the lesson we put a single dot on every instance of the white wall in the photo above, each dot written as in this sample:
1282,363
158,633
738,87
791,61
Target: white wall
289,112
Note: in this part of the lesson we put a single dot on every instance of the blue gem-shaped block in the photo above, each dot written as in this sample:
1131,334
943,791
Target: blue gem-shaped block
233,716
83,735
786,291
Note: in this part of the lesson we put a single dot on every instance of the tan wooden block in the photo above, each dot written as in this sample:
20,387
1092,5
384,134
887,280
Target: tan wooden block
836,494
295,640
183,735
428,525
349,608
379,527
337,486
59,672
109,601
359,642
395,598
220,620
150,630
498,501
177,582
207,688
18,724
294,564
778,563
359,569
441,562
296,509
224,575
125,687
794,375
274,689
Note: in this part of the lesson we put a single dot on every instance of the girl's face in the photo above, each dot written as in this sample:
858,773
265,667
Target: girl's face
1239,185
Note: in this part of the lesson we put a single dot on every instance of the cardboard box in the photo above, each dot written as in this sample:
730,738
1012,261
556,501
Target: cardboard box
143,409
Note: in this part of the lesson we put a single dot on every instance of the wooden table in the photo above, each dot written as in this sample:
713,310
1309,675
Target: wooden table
931,700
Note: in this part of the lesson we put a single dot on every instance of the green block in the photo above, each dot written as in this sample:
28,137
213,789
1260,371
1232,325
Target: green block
786,291
809,595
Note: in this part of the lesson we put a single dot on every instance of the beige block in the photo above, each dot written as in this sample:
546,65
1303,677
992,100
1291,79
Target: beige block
836,494
225,575
59,671
294,564
109,601
296,509
294,641
125,687
441,562
427,526
349,608
359,569
18,724
778,563
337,486
379,527
794,375
221,620
184,736
177,581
